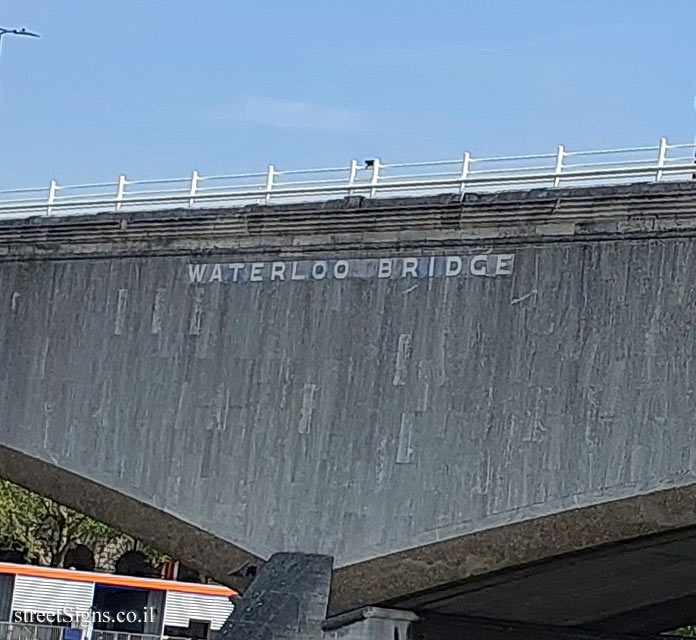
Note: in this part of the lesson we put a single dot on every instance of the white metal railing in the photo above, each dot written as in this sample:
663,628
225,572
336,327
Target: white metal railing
21,631
372,178
120,635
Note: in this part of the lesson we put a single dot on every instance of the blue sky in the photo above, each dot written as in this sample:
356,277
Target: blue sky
155,88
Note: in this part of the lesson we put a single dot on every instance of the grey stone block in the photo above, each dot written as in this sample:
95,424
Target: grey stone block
286,601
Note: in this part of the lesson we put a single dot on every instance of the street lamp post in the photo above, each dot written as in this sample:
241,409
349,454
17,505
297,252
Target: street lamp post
16,32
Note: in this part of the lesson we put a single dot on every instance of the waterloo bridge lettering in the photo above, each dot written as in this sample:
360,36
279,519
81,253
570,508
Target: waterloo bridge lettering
482,265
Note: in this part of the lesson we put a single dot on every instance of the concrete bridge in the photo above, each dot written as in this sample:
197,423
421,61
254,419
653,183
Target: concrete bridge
481,407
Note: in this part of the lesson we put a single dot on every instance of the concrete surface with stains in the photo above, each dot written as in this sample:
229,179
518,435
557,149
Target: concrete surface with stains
358,415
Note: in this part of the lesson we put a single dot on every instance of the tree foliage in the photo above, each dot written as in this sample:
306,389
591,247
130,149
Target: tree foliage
45,531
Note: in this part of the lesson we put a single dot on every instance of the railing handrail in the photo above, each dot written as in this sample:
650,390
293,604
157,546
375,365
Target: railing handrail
369,179
27,631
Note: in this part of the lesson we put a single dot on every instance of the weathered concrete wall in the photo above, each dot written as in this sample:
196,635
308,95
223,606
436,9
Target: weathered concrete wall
356,417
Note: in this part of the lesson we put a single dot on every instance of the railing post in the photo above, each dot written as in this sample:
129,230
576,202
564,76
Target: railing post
661,156
194,186
376,164
269,182
559,166
121,191
52,188
352,175
466,160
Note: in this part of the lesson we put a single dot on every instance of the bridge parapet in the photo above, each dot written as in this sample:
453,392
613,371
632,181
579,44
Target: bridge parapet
670,162
358,223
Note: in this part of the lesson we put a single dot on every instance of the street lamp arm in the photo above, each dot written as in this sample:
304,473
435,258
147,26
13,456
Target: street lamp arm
18,32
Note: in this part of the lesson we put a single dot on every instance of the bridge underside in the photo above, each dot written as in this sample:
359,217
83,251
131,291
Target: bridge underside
199,549
624,566
636,589
619,567
641,587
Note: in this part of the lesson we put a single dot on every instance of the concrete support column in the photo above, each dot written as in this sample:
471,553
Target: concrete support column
287,600
370,623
